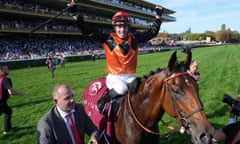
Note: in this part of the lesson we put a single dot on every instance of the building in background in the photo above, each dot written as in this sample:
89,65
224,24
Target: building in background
18,18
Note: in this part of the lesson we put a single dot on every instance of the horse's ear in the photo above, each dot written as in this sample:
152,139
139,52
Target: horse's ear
172,61
188,59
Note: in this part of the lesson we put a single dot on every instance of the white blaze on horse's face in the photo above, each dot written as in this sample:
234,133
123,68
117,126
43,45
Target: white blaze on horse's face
187,82
182,130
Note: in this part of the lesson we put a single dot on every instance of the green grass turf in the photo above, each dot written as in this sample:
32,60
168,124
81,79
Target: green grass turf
220,73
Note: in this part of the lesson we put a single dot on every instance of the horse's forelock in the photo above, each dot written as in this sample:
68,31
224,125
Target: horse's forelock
179,67
175,66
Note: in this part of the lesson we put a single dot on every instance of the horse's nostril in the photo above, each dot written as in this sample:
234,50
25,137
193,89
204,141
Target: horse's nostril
205,138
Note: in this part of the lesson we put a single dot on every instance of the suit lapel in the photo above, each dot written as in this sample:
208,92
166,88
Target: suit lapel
61,128
77,119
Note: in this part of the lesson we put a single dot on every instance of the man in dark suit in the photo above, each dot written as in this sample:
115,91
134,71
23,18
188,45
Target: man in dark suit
54,127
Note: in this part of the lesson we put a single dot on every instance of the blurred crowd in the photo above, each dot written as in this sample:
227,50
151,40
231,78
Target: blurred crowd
25,47
22,48
32,48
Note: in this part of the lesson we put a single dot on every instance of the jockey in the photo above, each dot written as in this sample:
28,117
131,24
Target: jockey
121,49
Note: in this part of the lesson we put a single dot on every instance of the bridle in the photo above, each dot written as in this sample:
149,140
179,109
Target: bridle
184,119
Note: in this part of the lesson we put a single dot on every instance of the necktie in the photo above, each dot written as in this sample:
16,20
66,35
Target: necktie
74,130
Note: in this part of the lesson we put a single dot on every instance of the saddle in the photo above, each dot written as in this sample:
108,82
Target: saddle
104,122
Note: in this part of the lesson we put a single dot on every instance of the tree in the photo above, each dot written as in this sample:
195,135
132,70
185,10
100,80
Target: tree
223,27
235,36
223,35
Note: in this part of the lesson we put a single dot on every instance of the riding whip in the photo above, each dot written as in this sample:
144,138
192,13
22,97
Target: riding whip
69,5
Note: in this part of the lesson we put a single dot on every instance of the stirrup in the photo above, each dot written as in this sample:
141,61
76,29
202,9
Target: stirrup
101,106
101,109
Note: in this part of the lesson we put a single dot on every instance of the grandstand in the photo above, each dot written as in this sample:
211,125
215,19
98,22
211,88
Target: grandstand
61,35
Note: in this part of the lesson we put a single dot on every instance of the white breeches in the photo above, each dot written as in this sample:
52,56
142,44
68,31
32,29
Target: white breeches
119,82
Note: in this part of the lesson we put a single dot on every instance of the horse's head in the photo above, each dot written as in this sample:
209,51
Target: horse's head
181,100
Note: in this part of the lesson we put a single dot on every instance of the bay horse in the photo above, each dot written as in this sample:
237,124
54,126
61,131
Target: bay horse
172,91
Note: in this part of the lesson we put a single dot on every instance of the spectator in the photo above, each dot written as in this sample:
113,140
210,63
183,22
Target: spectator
193,70
121,49
230,134
234,118
51,65
6,89
54,127
62,61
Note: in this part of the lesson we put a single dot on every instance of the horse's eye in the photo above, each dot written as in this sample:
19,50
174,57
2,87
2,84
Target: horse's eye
177,91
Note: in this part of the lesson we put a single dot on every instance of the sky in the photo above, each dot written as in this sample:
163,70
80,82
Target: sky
201,15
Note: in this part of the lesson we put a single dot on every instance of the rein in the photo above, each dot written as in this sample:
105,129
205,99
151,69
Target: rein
136,119
172,103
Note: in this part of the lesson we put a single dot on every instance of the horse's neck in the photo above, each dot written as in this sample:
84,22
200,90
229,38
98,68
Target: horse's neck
149,98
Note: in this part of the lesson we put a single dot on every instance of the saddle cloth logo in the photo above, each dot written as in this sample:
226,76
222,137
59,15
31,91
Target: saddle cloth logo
94,88
93,92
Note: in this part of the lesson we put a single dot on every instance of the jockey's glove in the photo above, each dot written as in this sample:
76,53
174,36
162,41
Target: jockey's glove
159,12
73,9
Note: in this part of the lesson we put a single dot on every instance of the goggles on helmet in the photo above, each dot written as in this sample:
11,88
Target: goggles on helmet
121,18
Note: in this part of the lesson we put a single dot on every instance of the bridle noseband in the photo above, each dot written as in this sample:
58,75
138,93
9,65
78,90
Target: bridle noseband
184,119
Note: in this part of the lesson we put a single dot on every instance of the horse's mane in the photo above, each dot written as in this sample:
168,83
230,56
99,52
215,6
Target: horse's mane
134,85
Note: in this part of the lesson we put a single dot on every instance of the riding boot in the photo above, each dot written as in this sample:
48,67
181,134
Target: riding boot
106,98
